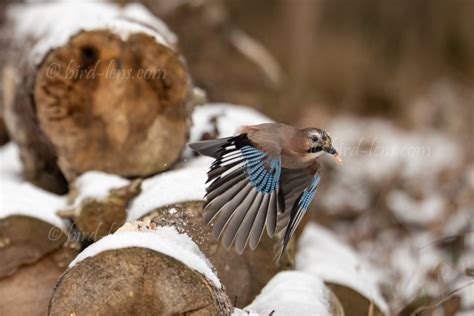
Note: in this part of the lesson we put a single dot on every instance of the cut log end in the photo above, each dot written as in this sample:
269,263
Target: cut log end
29,290
136,281
24,240
113,105
98,218
242,275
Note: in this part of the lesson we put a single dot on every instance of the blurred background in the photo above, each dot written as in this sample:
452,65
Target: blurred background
392,81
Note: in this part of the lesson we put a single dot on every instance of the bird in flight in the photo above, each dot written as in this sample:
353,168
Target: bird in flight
265,177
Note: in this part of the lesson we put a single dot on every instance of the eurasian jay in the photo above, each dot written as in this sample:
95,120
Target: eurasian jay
264,177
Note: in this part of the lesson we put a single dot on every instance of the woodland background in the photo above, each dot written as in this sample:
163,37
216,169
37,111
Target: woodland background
392,81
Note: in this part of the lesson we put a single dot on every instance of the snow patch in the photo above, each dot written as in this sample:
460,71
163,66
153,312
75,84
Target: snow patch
409,210
38,21
322,255
292,293
27,200
228,118
181,185
96,185
165,240
10,164
18,197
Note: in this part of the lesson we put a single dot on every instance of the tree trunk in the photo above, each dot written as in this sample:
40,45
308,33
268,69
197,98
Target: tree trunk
136,281
110,95
242,275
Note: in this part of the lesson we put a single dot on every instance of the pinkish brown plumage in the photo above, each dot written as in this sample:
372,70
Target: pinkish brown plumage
263,178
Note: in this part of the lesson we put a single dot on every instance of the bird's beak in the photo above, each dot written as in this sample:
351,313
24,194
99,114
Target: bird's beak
337,158
335,155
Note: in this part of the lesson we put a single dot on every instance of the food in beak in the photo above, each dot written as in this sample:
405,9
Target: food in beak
337,158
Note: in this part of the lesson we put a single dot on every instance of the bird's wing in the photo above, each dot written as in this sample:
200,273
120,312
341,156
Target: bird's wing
299,187
243,195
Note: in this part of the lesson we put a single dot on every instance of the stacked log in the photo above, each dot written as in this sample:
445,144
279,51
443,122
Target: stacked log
96,102
253,77
175,198
98,203
105,91
29,229
140,270
29,290
35,244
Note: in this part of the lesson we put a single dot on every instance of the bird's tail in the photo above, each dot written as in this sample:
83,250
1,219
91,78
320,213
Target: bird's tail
209,147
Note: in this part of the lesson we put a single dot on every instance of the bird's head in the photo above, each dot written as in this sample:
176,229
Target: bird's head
320,142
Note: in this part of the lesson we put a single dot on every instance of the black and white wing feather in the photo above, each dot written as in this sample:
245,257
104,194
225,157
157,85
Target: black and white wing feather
243,195
299,187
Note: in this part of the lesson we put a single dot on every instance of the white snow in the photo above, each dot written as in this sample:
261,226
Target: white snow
412,261
377,148
409,210
18,197
376,152
229,118
27,200
165,240
10,164
96,185
292,293
138,12
322,255
39,20
181,185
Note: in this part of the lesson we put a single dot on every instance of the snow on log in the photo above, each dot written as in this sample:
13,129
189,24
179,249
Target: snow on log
29,226
99,202
175,198
29,290
216,120
353,281
295,293
139,270
99,87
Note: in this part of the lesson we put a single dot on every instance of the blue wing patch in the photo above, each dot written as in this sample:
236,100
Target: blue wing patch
301,207
309,193
264,179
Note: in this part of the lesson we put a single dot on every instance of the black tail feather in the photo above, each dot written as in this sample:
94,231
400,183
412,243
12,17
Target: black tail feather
209,147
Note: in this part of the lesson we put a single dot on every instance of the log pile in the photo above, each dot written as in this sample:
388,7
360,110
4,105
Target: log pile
105,91
85,119
35,244
140,271
178,202
98,203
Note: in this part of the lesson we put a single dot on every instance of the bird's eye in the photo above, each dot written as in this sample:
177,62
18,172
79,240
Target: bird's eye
314,138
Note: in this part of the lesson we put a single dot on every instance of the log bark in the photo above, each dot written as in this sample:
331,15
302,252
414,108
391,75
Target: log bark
29,290
115,99
136,281
242,275
24,240
253,77
3,131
